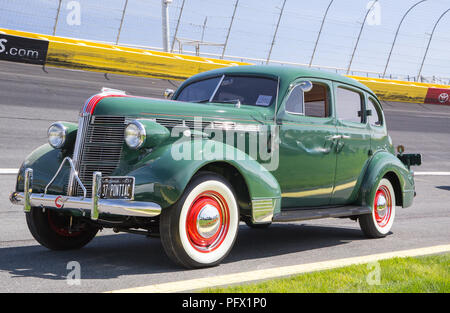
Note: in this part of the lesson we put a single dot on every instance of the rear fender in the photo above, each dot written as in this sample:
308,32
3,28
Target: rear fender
385,164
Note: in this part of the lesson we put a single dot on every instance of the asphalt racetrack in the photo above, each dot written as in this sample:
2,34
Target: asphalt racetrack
31,99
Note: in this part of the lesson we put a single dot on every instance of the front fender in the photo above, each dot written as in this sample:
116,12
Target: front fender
162,175
384,163
159,177
44,161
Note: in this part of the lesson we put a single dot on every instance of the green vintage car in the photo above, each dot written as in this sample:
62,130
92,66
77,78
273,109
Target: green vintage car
257,144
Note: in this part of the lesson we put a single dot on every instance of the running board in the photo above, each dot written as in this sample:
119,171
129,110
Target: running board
311,214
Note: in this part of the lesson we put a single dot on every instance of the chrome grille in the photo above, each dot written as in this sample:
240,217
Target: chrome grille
100,149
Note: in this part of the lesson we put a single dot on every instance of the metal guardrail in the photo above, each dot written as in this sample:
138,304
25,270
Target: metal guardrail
75,19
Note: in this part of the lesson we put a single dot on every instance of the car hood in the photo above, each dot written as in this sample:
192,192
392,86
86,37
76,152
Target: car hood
139,107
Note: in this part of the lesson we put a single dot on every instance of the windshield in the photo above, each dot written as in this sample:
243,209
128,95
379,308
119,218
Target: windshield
246,90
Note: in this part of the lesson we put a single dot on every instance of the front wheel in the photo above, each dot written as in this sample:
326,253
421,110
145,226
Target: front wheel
379,222
199,230
58,231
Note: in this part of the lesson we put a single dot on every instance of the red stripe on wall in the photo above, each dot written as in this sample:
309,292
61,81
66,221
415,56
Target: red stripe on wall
438,96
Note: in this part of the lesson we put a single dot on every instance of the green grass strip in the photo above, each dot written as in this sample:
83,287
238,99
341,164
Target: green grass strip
428,274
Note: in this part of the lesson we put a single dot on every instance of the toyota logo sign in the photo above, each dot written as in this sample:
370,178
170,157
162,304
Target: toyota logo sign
443,97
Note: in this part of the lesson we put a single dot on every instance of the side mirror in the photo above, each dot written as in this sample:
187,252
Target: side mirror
168,93
306,86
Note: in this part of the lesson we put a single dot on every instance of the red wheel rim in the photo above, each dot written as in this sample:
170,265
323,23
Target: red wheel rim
208,221
60,225
383,206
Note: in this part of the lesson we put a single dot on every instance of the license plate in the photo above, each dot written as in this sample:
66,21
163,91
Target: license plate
117,187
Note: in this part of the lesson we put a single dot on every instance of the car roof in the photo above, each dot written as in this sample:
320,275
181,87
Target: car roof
288,73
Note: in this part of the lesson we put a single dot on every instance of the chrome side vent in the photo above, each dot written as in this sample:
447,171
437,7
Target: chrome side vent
224,125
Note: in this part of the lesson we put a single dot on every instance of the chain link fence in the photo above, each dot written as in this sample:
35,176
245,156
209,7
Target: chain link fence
406,39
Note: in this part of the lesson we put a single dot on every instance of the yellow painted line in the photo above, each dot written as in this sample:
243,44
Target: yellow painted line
245,277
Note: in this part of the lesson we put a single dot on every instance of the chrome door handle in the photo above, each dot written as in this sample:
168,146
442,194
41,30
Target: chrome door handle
334,137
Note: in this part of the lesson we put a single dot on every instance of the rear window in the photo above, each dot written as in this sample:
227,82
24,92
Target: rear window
374,118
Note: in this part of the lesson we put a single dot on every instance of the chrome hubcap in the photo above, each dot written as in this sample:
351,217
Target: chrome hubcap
208,221
381,206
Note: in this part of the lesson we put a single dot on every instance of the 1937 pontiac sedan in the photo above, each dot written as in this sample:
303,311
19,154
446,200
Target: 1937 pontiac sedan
258,144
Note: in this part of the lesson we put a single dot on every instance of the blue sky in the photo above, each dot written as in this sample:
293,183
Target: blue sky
254,26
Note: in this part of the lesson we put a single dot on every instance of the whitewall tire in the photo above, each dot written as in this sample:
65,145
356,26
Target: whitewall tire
201,228
379,223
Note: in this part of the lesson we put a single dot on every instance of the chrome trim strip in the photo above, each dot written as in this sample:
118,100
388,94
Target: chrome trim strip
83,123
96,185
28,189
217,87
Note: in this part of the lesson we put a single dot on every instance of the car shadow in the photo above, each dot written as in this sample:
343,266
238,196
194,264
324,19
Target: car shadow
444,187
285,238
112,256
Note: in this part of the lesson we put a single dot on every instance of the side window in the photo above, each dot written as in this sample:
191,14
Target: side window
375,118
294,103
349,105
316,101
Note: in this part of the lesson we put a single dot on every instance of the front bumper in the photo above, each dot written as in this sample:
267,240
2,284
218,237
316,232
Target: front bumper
93,206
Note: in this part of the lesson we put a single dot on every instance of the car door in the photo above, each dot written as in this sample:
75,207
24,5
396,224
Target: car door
307,159
353,147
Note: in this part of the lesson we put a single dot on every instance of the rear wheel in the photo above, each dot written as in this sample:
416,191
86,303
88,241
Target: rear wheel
58,231
379,223
200,229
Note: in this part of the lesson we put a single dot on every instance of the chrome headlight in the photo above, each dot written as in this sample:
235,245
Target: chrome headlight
57,133
135,135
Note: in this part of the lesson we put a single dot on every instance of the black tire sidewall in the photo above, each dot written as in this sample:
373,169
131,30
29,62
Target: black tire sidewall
39,226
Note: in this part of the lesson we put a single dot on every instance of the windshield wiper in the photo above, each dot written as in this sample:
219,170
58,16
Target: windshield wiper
229,101
237,102
201,101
